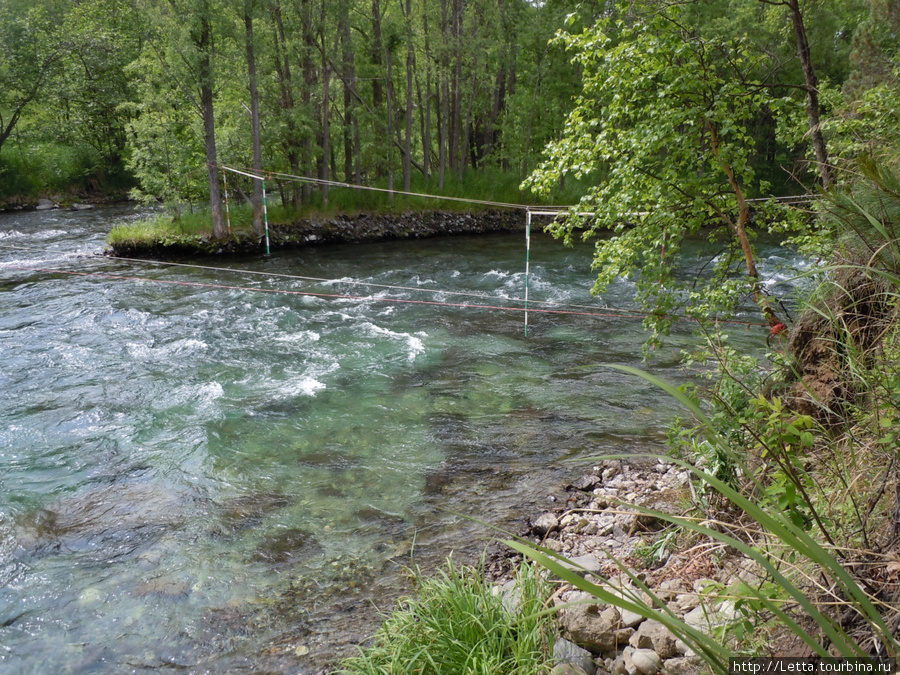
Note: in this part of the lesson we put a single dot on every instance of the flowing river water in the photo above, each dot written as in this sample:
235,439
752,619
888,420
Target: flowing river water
210,477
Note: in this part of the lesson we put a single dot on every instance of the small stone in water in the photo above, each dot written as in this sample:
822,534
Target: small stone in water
301,650
89,596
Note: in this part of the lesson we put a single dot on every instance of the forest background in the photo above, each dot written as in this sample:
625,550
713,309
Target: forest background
447,96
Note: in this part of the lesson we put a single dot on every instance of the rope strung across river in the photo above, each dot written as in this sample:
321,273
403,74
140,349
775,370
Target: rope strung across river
264,175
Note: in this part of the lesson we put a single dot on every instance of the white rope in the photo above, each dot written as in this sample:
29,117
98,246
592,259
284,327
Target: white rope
331,183
351,282
535,210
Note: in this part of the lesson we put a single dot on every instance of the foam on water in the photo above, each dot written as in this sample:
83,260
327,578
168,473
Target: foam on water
414,343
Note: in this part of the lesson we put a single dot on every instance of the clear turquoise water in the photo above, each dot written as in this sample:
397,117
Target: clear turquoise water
209,478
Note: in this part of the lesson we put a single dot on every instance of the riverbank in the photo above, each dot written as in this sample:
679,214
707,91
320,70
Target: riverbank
597,522
137,240
66,201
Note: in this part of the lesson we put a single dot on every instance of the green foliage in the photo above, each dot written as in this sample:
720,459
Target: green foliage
46,168
31,47
456,625
665,121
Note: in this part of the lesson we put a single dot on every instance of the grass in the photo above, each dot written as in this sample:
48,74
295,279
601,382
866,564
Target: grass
479,185
456,625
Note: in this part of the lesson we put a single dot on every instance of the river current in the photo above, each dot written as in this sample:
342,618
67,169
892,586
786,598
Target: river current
220,471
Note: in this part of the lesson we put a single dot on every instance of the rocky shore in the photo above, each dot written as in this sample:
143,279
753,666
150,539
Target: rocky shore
337,229
591,524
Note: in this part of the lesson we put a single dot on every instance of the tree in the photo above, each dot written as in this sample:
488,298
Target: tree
179,46
31,48
663,127
258,226
813,109
866,119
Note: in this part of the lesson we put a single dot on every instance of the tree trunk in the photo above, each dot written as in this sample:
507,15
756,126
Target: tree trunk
456,87
307,155
377,87
468,150
256,199
326,129
410,65
445,97
390,126
425,104
812,95
204,44
740,231
283,71
349,80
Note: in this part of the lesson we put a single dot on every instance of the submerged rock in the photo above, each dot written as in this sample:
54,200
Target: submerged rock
248,511
287,546
162,586
109,522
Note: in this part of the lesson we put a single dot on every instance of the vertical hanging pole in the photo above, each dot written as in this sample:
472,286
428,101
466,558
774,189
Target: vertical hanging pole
527,262
266,215
227,209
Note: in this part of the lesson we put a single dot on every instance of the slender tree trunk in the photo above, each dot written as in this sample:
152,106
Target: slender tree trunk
530,127
204,44
425,104
812,95
283,71
256,199
456,87
326,129
740,230
377,86
349,80
390,125
445,96
468,151
410,66
307,155
425,122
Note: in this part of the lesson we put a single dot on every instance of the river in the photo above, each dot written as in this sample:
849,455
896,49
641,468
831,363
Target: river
222,471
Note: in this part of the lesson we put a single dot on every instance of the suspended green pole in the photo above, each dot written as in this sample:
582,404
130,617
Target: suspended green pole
527,262
265,215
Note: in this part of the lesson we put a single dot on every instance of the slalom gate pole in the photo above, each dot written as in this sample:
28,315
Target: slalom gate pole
266,215
527,262
227,209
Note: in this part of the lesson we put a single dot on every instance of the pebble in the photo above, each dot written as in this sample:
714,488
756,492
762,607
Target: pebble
646,661
566,652
545,524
